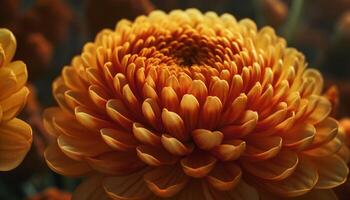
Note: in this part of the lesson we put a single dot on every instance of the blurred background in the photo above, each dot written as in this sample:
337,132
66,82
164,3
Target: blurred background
50,32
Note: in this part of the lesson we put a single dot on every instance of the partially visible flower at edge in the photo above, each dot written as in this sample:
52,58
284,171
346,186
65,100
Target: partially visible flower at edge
188,105
15,134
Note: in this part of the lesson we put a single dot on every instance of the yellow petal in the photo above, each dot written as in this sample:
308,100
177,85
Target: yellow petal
198,164
8,44
127,187
98,96
277,168
60,163
320,110
15,142
206,139
8,84
166,181
327,149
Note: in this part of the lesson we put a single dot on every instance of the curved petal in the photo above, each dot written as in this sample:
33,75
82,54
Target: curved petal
320,111
243,191
90,189
299,137
325,132
189,110
224,176
318,194
119,139
60,163
174,146
198,164
332,171
12,105
15,142
300,182
229,150
206,139
91,120
174,125
8,44
324,150
154,156
145,135
131,187
210,113
246,125
262,148
276,168
115,163
166,181
119,113
79,148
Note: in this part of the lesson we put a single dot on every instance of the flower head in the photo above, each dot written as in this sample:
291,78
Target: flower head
188,105
15,135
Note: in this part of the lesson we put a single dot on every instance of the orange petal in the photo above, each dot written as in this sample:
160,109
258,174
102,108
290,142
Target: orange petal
234,110
318,194
154,156
119,113
79,148
327,149
300,182
277,168
127,187
320,111
325,132
229,150
91,120
211,112
262,148
166,181
243,191
60,163
206,139
8,44
174,146
15,142
145,135
219,88
299,137
115,163
98,96
170,99
90,189
199,90
12,105
8,82
224,176
151,113
246,125
174,125
332,171
189,110
119,139
198,164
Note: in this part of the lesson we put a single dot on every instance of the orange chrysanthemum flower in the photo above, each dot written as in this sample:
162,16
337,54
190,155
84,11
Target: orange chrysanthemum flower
188,105
15,135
